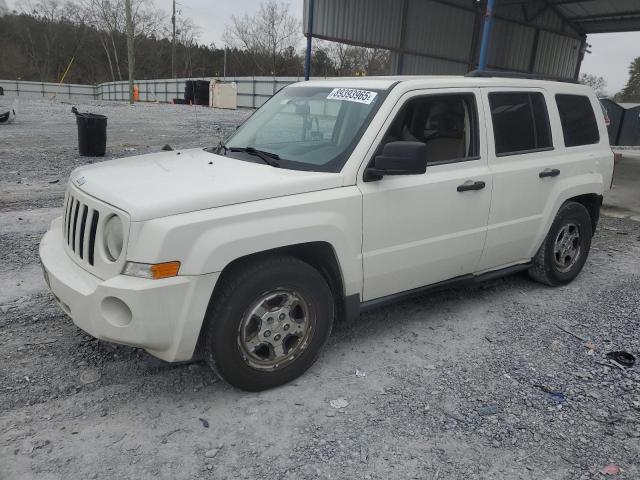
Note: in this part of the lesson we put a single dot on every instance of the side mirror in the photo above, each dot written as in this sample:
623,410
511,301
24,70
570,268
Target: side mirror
399,158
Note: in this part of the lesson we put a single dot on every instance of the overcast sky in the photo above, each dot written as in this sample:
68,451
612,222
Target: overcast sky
612,52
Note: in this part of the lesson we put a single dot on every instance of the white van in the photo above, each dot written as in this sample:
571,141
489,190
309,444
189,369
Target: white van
335,197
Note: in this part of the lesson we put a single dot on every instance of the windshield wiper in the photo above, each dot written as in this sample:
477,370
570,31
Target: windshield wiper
267,157
222,146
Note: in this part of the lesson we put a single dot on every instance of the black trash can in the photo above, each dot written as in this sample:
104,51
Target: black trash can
92,133
202,93
189,91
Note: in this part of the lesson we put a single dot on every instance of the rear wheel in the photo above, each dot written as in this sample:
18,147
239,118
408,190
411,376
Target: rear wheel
566,247
268,323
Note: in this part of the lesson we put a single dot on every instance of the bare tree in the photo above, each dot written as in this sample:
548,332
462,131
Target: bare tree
108,16
342,57
599,84
268,35
353,60
372,61
49,13
187,34
108,19
4,9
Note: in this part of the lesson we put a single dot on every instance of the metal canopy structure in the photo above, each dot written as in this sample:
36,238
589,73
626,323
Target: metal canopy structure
545,37
599,16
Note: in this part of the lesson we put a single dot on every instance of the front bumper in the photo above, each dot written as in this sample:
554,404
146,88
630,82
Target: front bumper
162,316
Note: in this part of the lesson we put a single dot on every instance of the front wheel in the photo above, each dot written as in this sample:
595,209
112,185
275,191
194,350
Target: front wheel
565,249
268,323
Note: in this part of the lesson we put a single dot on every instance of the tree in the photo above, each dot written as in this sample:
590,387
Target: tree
108,17
599,84
4,9
331,58
187,34
371,61
631,92
43,38
268,35
50,38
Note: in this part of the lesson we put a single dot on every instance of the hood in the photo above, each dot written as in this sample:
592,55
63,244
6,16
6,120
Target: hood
168,183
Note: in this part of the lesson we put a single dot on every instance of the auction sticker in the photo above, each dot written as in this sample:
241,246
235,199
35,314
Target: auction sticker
352,95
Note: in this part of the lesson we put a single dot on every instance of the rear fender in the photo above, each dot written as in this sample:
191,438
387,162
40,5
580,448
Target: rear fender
589,183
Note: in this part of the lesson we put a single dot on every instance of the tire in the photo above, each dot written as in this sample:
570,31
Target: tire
556,263
252,303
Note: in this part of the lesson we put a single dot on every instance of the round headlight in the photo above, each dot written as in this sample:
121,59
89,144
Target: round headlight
113,238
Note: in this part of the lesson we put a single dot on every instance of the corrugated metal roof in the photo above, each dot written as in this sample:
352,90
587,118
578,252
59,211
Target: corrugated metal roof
557,55
600,16
375,23
429,26
442,36
511,46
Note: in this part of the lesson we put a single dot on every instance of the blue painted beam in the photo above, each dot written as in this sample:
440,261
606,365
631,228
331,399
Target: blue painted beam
486,34
307,58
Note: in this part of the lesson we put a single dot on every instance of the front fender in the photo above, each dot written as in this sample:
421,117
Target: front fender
208,240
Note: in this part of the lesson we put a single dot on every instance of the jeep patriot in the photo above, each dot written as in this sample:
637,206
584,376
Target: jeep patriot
335,197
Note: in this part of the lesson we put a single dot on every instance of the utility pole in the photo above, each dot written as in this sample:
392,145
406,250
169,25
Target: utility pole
130,52
173,42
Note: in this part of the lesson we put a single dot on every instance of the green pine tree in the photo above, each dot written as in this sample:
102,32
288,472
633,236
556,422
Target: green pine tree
631,92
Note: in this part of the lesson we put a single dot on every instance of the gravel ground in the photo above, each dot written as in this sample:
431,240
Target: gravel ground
482,382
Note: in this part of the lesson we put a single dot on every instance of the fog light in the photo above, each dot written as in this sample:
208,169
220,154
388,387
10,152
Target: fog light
116,312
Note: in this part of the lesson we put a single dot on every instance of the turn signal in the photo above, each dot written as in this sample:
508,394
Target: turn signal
152,272
165,270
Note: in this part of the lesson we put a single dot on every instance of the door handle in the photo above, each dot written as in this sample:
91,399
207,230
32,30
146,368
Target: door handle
471,185
549,172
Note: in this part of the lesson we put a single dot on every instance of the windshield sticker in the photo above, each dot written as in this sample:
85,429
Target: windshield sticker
352,95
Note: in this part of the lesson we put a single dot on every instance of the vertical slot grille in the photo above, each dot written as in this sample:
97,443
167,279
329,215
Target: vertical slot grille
83,223
75,224
65,216
92,235
68,217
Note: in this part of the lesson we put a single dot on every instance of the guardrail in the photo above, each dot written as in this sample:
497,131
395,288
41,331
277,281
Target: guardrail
252,91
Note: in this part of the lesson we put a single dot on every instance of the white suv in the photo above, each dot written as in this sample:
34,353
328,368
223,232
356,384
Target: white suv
335,197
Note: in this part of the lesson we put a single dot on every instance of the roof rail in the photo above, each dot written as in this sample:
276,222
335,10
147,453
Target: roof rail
510,74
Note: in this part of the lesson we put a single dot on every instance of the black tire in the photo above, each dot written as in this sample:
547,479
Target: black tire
545,268
233,300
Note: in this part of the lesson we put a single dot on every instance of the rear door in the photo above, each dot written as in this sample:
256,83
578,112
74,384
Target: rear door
525,166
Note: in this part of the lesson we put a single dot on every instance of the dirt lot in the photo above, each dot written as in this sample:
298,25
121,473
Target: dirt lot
464,384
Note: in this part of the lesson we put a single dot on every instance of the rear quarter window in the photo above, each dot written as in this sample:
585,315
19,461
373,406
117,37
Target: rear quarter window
579,125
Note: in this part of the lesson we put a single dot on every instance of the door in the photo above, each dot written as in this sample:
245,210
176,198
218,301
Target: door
422,229
525,167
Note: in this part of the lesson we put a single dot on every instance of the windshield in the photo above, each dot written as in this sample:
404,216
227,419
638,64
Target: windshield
306,128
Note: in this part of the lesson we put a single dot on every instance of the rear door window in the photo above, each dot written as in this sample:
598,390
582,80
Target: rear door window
520,122
579,125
